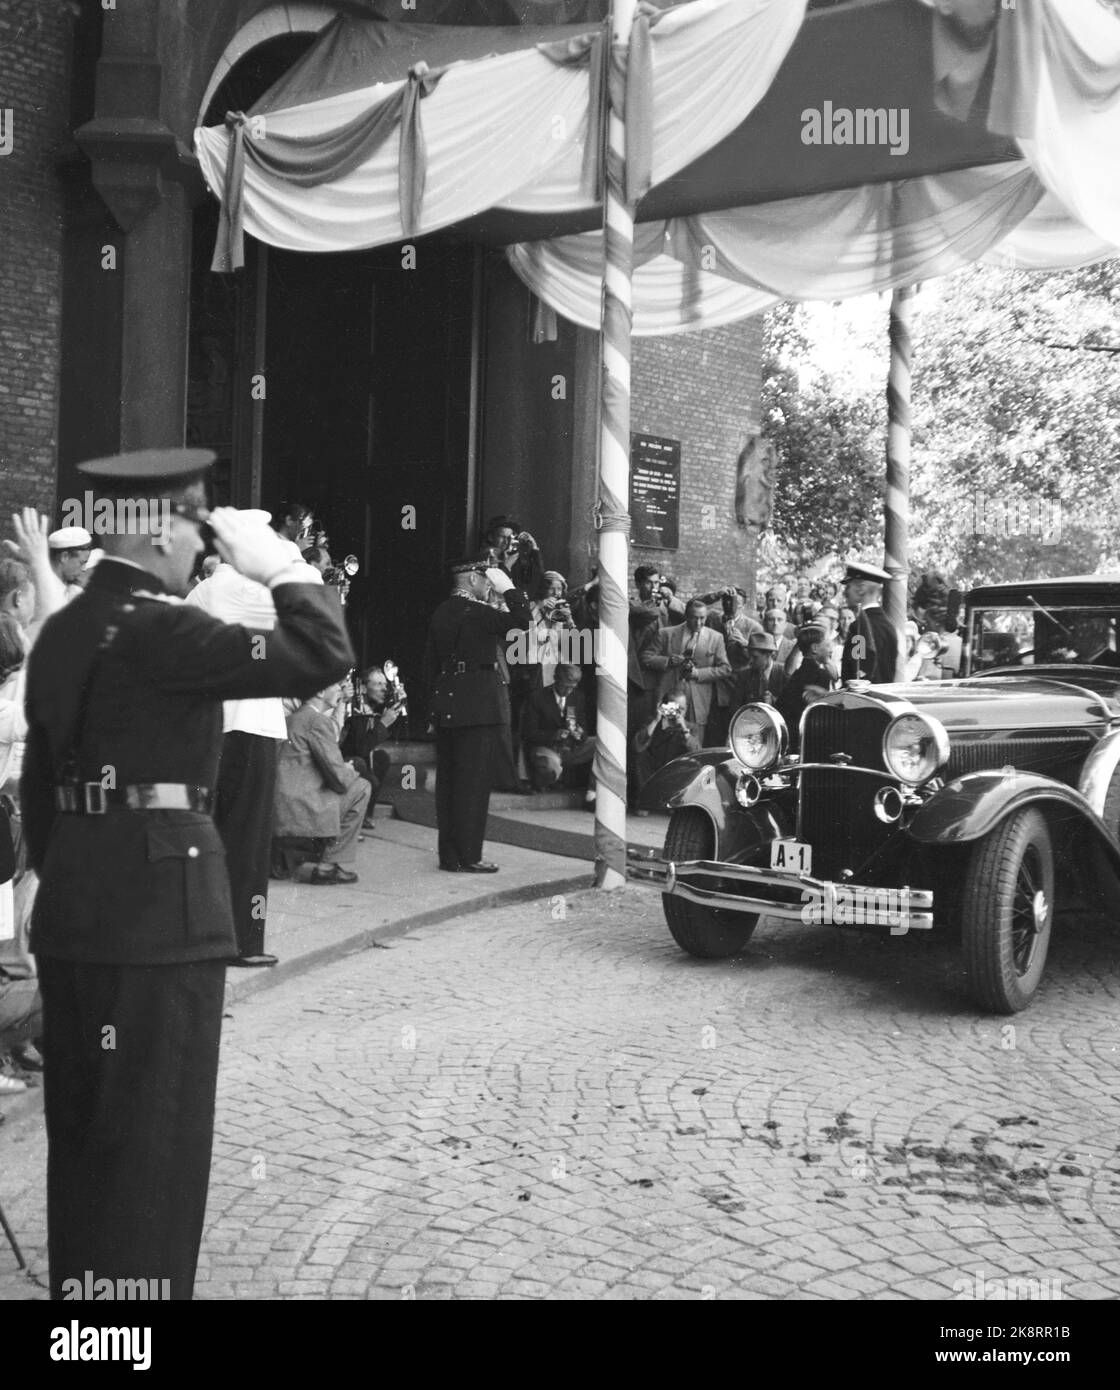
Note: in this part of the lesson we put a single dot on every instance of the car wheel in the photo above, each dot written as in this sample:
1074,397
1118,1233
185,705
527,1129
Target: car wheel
708,932
1007,911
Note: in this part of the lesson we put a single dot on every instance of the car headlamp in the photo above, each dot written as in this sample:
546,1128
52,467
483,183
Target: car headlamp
914,747
758,737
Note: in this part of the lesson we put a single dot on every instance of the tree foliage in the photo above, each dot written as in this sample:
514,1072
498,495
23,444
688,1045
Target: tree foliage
1016,410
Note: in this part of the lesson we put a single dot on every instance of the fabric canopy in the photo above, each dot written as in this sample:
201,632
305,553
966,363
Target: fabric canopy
507,130
512,125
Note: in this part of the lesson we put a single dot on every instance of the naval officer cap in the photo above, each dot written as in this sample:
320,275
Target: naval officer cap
857,570
472,564
70,538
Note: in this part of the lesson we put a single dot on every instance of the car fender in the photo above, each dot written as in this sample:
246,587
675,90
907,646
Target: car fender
707,781
969,807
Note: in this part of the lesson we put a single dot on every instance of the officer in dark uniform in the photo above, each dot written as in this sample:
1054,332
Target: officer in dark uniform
461,662
133,919
871,649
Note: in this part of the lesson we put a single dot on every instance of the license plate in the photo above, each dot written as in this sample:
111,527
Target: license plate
791,857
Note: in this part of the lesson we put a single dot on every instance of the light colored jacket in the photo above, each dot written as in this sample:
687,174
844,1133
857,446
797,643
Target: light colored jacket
311,775
709,656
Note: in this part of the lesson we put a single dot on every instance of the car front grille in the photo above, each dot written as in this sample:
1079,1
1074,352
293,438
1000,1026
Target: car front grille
837,817
836,806
852,725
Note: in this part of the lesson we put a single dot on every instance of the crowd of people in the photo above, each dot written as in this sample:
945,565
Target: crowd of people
692,660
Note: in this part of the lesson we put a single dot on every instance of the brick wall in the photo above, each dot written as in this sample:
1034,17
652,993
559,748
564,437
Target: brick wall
35,46
703,389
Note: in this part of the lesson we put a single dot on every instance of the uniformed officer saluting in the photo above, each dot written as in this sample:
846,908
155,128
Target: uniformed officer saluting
871,649
462,671
133,920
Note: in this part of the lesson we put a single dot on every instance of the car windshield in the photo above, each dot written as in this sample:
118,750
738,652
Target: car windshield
1043,636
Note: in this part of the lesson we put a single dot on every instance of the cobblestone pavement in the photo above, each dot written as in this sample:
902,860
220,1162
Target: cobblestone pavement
524,1105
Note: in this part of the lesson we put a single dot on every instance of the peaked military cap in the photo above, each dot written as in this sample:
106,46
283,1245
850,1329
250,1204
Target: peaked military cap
148,466
858,570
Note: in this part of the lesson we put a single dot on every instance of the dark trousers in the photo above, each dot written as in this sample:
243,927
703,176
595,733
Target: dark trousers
243,815
373,771
464,761
131,1065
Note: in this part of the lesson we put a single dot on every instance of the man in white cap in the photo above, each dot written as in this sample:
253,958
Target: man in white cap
70,549
871,651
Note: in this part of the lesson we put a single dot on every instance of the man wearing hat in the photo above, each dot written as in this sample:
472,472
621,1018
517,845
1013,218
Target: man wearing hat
871,650
811,680
761,681
133,924
465,644
70,550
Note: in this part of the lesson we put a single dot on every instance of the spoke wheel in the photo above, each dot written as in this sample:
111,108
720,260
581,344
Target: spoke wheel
711,933
1008,912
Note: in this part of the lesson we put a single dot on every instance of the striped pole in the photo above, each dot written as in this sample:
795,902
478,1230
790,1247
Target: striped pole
896,542
613,516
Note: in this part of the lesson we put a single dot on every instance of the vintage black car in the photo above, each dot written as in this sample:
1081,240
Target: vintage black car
979,803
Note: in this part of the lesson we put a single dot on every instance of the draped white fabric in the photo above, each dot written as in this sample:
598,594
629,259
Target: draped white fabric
1067,99
508,131
700,272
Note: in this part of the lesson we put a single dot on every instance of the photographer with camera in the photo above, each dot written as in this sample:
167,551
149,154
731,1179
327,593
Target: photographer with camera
691,656
556,729
668,735
514,550
376,702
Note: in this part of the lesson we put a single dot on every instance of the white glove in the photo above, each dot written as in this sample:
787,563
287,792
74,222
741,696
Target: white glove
250,545
499,581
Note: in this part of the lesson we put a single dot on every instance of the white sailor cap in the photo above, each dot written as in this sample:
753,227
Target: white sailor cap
70,538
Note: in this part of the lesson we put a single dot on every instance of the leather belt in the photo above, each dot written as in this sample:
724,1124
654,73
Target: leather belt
459,668
92,799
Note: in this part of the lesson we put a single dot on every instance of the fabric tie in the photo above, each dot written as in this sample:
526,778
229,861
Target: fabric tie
309,162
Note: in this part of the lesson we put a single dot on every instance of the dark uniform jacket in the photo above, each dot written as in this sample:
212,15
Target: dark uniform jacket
542,719
466,633
150,887
874,660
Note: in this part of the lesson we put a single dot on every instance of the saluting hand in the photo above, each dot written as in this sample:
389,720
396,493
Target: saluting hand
250,545
499,581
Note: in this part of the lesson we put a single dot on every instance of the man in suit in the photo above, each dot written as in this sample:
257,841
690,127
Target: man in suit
461,663
871,649
691,657
133,922
556,730
736,626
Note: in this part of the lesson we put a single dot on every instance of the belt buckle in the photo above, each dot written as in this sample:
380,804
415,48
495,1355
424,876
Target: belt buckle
94,797
460,668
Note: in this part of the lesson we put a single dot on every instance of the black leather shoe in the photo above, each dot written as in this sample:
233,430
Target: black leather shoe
262,959
482,867
333,873
451,868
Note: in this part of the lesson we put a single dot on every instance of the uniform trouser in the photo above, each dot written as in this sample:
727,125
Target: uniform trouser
131,1064
243,815
351,813
464,759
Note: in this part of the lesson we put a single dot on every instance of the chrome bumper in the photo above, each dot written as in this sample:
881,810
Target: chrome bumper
798,897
